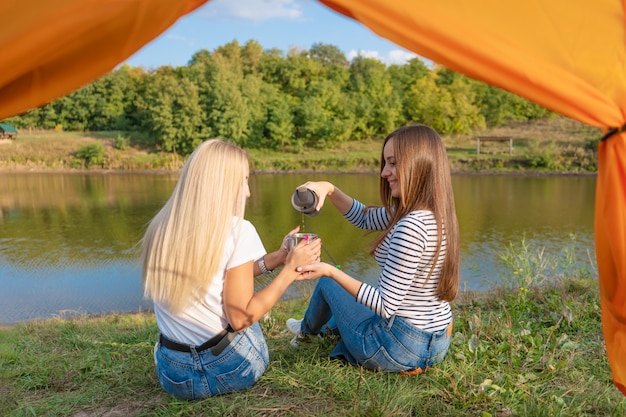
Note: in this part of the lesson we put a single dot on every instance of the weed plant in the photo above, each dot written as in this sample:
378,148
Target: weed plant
92,154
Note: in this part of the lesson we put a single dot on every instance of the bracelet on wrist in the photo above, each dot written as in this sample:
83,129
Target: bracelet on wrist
262,267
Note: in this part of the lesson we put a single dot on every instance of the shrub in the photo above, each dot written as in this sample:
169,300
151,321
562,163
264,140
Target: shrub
122,142
91,154
546,156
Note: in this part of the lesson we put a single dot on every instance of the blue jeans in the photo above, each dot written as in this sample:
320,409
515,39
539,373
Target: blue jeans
368,340
196,375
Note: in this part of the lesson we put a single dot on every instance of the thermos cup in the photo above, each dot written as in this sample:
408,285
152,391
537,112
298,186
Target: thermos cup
305,201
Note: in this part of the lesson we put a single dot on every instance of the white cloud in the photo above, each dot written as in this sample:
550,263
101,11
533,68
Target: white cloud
395,56
367,54
254,9
398,56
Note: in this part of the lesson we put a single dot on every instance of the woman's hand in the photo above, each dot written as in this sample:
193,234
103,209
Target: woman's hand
322,269
315,270
277,258
305,252
322,189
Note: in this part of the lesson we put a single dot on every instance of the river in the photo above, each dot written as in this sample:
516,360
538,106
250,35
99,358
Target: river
69,242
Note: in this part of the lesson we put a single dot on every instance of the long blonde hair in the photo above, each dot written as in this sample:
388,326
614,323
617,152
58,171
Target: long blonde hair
425,183
184,243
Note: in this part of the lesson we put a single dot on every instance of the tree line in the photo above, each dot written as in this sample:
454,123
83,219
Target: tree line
268,99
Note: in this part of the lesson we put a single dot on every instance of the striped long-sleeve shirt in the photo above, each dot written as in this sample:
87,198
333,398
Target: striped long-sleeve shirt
405,257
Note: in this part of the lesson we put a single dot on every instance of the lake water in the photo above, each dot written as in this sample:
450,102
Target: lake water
69,242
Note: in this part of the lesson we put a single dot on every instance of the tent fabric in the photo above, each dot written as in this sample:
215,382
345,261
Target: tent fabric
610,236
567,55
52,47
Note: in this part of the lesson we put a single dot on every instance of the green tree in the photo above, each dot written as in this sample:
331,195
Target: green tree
447,108
111,96
446,76
320,121
327,55
278,119
296,72
226,110
201,56
74,110
376,108
269,99
333,61
270,63
251,54
255,103
403,76
231,52
40,118
498,106
171,113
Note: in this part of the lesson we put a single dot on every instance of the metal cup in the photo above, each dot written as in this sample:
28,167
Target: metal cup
292,240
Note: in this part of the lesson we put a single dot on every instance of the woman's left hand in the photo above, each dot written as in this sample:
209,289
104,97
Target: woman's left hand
323,269
315,270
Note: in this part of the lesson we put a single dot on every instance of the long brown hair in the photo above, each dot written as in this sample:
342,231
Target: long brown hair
423,174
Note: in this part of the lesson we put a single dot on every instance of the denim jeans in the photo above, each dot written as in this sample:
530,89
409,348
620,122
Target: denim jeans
196,375
368,340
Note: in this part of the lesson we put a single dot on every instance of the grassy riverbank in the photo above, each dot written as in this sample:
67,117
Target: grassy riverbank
556,145
532,347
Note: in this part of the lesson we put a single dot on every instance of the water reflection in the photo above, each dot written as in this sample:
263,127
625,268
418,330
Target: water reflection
68,243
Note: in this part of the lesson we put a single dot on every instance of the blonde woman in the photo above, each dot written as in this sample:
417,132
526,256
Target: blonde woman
404,322
199,261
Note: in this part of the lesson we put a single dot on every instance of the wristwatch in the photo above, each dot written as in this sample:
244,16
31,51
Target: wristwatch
262,267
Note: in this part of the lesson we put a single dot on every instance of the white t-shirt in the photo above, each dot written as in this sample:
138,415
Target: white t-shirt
203,320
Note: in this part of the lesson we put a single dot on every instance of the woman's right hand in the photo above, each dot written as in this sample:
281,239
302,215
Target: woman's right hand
338,198
321,188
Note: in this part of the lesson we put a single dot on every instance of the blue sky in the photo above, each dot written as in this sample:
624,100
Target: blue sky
282,24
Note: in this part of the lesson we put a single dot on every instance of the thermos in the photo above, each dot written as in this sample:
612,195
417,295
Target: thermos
305,201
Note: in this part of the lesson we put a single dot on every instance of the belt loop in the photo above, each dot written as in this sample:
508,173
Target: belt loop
390,323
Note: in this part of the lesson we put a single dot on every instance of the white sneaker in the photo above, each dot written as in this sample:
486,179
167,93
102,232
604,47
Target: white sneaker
294,327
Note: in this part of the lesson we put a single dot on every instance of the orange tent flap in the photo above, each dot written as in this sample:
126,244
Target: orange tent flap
568,56
610,236
53,47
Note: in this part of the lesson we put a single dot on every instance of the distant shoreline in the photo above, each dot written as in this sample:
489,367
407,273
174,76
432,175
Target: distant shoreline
523,173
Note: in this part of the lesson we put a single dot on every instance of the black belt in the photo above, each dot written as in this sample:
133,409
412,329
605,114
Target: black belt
217,342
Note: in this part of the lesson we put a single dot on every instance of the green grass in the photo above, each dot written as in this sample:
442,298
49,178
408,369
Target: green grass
532,347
